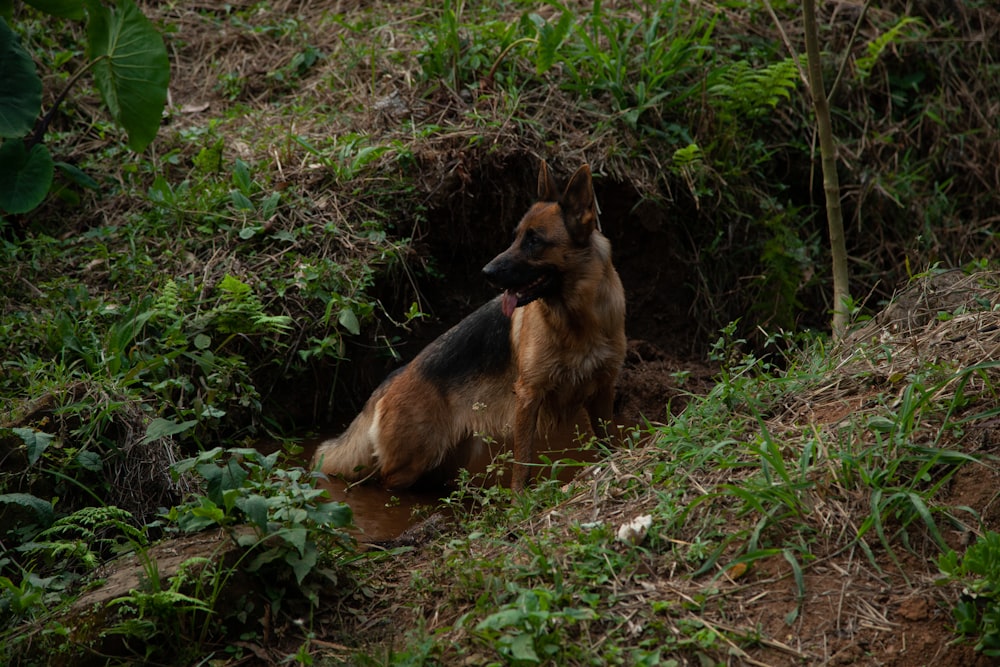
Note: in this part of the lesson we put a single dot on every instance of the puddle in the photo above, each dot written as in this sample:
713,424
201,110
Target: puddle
380,515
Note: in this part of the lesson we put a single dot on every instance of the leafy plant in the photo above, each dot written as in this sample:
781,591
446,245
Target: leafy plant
977,611
646,67
530,629
128,60
23,598
290,521
741,90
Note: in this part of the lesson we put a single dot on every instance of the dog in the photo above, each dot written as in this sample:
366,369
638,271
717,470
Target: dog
543,355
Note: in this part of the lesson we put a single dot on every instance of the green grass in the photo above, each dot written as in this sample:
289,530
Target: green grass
731,485
186,301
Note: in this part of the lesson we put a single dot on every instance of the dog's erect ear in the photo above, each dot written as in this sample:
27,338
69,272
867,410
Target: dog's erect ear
547,189
579,206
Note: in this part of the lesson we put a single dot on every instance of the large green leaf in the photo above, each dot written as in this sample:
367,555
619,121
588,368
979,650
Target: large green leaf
131,68
25,176
255,507
67,9
36,442
161,428
41,508
20,87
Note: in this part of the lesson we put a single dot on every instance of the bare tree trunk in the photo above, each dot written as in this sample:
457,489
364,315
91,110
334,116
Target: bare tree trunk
831,183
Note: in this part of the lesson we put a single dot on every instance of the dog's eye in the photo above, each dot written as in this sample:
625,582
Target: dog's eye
532,240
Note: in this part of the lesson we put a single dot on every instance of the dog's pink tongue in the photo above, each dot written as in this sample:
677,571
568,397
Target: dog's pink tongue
508,302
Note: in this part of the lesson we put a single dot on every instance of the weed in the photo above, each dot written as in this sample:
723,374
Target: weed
287,514
644,67
977,611
460,54
531,628
476,500
902,474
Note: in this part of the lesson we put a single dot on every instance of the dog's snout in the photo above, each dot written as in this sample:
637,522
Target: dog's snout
493,270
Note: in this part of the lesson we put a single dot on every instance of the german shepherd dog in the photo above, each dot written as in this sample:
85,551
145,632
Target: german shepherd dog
542,356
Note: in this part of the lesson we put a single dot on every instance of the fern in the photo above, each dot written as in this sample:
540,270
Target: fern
274,323
237,290
65,551
879,44
240,311
687,157
167,313
748,92
82,534
157,603
168,614
169,299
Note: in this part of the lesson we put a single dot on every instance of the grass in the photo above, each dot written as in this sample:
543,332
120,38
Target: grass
314,183
747,502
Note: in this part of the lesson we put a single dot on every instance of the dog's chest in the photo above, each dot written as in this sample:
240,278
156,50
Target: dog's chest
579,374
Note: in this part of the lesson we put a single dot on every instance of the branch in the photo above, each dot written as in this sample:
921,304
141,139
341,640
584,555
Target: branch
42,126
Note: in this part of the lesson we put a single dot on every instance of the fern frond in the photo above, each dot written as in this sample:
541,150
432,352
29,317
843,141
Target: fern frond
168,300
63,550
748,92
81,534
275,323
880,44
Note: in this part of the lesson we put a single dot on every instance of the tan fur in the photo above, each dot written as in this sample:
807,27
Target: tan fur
566,353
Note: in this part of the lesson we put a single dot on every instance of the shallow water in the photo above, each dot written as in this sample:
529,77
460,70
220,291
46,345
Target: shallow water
380,515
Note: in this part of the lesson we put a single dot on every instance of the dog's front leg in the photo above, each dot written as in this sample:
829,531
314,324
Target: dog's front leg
600,408
525,426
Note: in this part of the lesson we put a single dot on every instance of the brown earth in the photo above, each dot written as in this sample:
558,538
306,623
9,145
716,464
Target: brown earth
851,614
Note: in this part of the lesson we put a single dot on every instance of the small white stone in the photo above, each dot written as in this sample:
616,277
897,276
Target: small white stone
634,531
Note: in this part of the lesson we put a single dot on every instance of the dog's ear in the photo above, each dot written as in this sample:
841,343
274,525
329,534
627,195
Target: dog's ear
579,206
547,189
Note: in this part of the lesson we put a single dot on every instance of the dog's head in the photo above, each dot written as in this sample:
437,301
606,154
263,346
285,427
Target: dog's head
548,238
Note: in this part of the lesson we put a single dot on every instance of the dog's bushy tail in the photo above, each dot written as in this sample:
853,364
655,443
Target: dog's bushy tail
352,454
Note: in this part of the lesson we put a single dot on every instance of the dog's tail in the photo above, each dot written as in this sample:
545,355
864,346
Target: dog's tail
352,454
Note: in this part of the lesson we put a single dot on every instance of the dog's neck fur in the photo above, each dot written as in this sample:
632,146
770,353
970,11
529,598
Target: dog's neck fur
589,302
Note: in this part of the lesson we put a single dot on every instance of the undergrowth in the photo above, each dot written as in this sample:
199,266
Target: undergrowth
738,497
246,275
